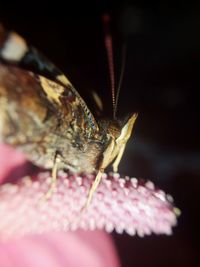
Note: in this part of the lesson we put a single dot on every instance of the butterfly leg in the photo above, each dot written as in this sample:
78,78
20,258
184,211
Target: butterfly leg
94,187
118,159
54,173
106,159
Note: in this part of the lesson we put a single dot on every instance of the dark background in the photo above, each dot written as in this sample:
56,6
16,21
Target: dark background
161,82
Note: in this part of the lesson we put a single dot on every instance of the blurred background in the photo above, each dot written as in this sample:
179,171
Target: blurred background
161,82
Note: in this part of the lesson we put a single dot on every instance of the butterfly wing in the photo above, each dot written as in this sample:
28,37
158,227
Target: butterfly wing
36,112
15,50
42,117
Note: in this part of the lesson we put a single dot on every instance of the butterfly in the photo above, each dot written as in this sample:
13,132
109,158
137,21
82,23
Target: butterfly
44,116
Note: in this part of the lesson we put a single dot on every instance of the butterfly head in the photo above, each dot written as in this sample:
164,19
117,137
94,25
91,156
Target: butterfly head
126,129
118,137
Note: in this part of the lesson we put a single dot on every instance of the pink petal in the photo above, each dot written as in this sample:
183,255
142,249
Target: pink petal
9,159
53,250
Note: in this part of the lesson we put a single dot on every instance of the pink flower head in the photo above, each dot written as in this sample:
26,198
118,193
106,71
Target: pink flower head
120,204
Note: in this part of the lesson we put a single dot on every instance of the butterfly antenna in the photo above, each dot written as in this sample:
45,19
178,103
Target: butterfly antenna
123,63
109,51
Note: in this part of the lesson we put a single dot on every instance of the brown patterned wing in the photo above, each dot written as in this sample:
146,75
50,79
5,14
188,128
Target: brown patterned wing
15,50
36,114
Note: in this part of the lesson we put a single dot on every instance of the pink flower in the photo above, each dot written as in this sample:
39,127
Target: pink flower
80,248
119,204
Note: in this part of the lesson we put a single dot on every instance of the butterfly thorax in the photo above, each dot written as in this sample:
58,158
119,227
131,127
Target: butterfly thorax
85,154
